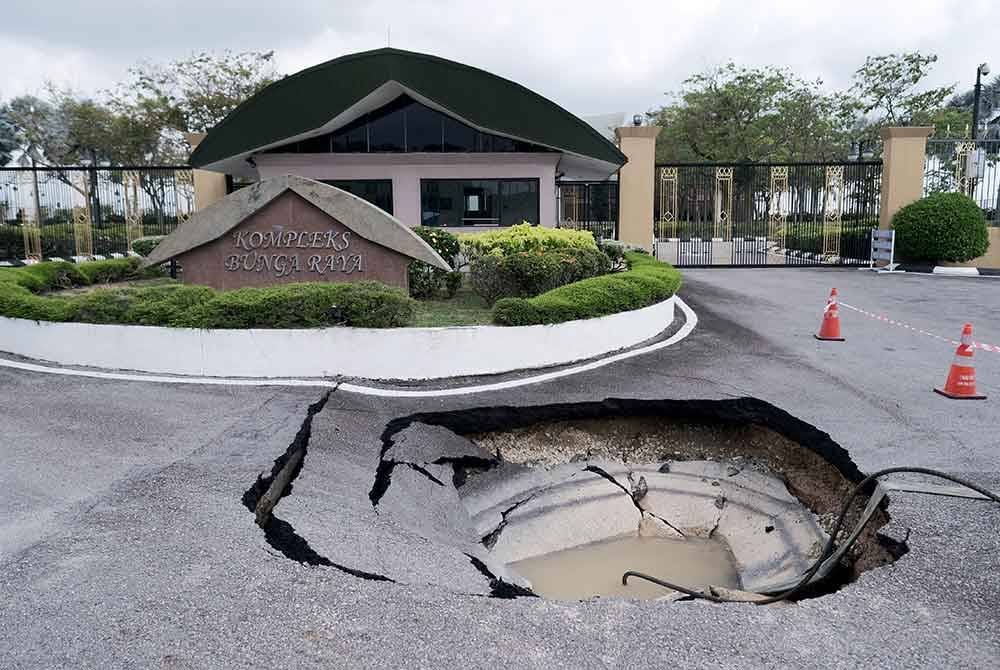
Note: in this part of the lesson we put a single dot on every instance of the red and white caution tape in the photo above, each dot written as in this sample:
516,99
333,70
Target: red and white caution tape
892,322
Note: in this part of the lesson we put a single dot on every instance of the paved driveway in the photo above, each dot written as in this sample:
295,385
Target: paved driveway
123,542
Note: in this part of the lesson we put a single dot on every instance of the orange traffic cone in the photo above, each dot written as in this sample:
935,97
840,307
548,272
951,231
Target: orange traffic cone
961,384
829,329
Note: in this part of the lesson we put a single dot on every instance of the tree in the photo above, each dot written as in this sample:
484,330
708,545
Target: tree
888,91
196,93
8,136
733,113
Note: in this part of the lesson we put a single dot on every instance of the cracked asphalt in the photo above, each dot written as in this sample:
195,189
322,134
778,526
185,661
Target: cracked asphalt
124,542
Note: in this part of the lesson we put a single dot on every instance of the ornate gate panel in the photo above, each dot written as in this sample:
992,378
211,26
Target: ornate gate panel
765,215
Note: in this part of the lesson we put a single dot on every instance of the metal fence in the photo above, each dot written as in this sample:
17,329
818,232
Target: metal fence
68,212
589,205
968,167
768,214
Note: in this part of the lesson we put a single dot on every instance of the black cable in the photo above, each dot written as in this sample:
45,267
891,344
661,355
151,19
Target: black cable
830,544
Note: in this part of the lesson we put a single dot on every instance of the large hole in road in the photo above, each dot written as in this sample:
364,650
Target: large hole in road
557,501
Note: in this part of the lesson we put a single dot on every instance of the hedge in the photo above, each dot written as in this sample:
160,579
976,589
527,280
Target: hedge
530,273
362,304
525,237
941,227
647,281
427,281
145,245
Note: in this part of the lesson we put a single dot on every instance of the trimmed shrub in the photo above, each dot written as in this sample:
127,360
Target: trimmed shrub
452,282
115,270
426,281
364,304
165,305
941,227
525,238
648,281
144,245
530,273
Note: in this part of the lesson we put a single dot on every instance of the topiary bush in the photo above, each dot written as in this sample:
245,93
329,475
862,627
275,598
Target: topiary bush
530,273
648,281
941,227
145,245
525,238
427,281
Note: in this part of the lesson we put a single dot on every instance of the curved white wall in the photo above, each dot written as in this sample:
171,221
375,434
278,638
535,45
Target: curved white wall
394,353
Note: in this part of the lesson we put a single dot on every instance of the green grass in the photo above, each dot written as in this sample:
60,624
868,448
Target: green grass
465,309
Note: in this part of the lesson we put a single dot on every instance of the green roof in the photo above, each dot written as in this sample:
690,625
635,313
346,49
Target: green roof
308,100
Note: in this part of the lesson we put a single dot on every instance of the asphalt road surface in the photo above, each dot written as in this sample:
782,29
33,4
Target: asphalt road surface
124,543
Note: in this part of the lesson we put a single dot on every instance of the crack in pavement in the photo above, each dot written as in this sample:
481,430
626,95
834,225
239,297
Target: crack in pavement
498,587
268,490
490,539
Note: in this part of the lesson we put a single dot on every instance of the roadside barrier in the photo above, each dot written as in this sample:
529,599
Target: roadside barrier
961,382
829,328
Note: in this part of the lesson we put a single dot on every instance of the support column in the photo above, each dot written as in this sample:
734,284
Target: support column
635,184
902,169
208,186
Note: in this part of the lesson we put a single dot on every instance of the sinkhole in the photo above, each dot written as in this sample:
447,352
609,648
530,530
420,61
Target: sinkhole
728,497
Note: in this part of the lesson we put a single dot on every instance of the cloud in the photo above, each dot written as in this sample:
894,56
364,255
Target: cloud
590,57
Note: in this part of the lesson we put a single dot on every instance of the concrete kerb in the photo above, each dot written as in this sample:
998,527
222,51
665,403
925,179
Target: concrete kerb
334,352
691,320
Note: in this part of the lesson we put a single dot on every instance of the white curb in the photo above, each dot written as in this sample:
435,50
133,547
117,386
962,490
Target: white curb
691,320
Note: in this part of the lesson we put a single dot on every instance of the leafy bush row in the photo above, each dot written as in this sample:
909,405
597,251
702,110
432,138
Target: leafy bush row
530,273
145,245
362,304
427,281
647,281
525,238
56,275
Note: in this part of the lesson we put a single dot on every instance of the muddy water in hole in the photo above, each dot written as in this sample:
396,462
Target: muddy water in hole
596,569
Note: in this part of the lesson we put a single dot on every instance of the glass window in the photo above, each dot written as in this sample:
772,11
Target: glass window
423,129
406,125
352,138
458,137
376,191
518,202
478,202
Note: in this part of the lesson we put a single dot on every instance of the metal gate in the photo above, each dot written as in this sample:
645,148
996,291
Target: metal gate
765,214
589,205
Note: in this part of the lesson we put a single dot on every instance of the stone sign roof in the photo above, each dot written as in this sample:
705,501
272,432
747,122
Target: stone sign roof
360,216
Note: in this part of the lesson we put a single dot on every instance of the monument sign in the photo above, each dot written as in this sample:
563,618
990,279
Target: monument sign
291,229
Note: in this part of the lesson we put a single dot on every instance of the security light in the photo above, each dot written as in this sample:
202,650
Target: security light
637,120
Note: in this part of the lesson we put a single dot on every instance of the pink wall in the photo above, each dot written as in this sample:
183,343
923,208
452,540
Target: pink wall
406,171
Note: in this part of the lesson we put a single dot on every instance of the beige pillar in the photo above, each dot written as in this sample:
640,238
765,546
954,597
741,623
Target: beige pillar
635,184
902,169
208,186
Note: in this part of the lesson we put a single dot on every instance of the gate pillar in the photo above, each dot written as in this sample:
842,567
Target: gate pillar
635,184
902,169
208,186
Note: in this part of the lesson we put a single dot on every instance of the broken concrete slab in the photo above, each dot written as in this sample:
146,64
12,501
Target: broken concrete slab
422,443
582,509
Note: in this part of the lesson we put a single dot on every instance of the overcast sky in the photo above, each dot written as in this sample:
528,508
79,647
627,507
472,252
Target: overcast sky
591,57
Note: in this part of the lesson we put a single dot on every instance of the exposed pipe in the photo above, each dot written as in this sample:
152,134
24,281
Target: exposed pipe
830,544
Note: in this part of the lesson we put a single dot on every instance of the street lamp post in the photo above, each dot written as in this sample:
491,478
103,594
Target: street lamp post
983,69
